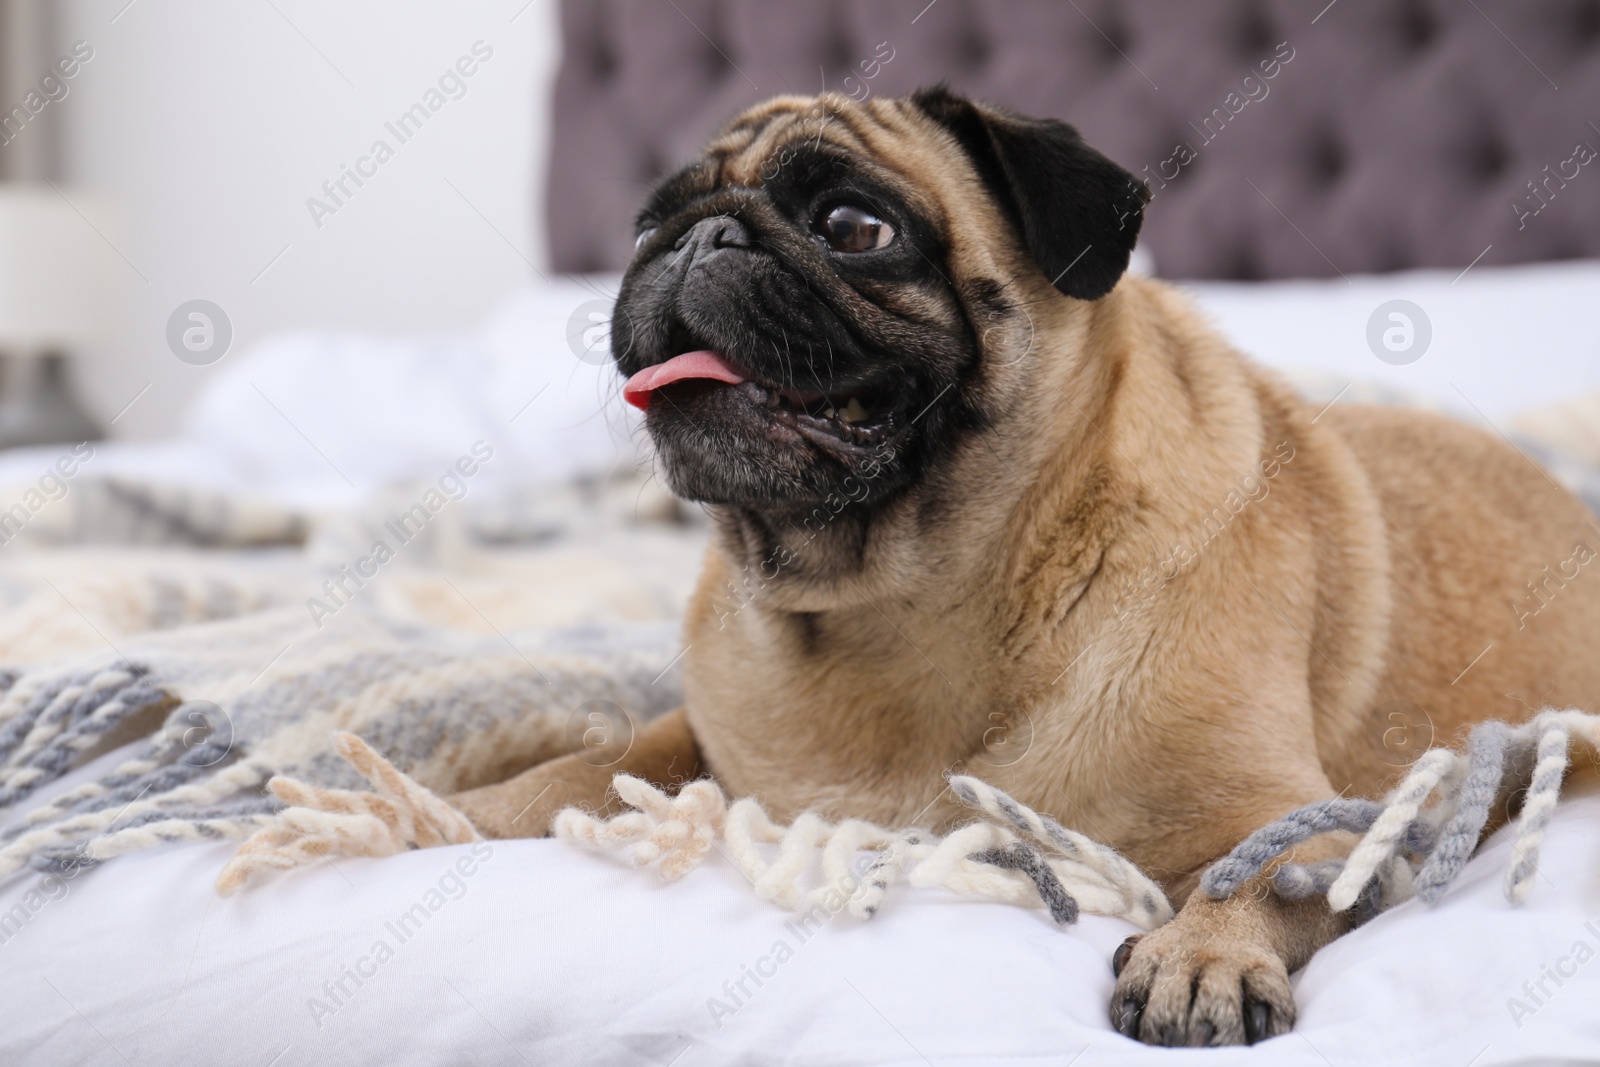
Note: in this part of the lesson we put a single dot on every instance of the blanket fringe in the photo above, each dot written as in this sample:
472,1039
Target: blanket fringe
1013,855
320,823
987,860
1409,849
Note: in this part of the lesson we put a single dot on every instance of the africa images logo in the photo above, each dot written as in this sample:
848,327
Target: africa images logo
199,332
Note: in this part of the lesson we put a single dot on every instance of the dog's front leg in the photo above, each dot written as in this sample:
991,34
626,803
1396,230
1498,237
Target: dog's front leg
663,752
1218,973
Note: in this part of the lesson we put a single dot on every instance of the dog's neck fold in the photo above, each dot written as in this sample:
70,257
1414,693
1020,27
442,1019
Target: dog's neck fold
1064,468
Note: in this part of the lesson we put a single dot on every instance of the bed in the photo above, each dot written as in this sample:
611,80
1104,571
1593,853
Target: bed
199,557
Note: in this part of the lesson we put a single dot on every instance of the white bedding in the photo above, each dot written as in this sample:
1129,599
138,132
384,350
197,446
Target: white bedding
1503,339
537,952
327,419
554,956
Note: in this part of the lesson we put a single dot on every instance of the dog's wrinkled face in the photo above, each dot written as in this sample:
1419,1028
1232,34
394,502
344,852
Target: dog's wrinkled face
793,321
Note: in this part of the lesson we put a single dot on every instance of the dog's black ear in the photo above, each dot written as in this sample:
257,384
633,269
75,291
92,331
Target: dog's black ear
1077,212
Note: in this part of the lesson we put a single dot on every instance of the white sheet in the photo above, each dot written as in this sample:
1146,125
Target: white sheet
550,955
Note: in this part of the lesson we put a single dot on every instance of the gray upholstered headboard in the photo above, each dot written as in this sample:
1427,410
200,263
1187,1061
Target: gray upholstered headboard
1393,133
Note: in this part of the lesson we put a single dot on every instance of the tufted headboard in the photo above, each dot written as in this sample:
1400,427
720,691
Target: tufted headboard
1391,134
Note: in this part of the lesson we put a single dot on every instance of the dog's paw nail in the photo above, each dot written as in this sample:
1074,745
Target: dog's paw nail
1257,1017
1127,1019
1119,958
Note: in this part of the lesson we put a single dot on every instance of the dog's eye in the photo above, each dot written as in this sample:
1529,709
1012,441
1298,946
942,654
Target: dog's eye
848,228
644,235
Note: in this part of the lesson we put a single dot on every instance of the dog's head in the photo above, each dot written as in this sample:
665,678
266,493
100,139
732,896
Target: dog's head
817,306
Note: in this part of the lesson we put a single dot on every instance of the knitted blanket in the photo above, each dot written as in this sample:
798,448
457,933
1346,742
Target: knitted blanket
480,646
222,708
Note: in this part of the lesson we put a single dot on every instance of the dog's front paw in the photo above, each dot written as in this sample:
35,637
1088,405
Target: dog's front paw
1191,983
526,805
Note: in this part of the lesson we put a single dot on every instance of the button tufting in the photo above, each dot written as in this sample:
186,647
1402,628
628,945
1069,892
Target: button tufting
836,54
1243,265
974,52
1326,160
1586,22
1487,159
1390,257
1114,39
1416,26
716,60
1255,36
1384,106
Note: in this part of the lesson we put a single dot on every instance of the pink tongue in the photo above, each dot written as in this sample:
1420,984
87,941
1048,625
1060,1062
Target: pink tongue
701,364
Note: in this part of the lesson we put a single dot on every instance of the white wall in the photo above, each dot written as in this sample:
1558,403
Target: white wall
211,122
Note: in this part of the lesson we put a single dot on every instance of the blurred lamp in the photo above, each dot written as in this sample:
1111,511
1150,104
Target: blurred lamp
56,272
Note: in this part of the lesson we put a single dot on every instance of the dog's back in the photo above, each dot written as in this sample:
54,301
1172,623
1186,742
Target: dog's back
1494,572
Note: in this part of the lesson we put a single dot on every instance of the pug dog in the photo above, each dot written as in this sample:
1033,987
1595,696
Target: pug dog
964,470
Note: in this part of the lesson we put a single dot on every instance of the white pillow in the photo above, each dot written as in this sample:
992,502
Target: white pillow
1503,339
